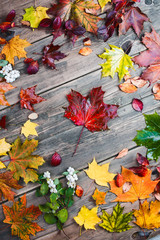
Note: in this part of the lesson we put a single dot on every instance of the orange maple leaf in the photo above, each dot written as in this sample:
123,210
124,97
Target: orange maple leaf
140,189
21,218
99,197
4,87
6,183
15,48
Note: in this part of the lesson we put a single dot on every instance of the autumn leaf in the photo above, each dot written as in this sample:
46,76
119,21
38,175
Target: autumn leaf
103,3
50,54
22,162
116,61
15,48
127,87
90,111
2,165
34,16
85,51
150,136
133,18
87,217
4,87
148,215
137,105
76,10
140,188
4,147
3,122
117,221
156,91
6,183
79,191
122,153
150,58
28,98
29,129
21,218
99,197
100,173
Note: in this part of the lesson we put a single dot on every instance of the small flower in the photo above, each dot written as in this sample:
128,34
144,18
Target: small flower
47,174
75,177
49,181
70,170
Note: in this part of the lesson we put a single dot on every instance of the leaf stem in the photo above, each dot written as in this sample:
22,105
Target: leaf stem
1,229
6,160
80,231
65,234
78,141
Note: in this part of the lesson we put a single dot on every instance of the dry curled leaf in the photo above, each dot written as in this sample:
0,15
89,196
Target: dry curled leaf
85,51
127,87
122,153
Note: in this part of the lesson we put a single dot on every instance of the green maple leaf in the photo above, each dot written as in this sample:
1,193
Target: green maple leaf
34,16
116,61
116,222
22,162
150,136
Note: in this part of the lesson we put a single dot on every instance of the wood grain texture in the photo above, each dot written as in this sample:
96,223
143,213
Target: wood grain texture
57,133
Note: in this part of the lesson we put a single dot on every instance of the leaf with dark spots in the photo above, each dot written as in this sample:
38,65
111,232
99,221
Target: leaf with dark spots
137,105
50,54
90,111
28,98
142,160
133,18
3,122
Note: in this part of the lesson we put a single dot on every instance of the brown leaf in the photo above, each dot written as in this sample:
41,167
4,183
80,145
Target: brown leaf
122,153
87,42
127,87
138,82
85,51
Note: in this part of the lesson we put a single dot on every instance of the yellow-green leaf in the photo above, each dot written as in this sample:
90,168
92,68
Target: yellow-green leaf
29,129
87,217
22,162
4,147
116,61
116,222
34,16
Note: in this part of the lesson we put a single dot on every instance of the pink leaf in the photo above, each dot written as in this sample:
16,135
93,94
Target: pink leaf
137,105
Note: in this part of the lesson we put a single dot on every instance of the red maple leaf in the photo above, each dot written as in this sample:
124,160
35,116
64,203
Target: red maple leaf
50,54
28,98
150,58
90,111
133,18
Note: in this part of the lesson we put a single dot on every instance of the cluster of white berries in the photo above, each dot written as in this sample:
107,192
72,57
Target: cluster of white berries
50,182
71,177
9,74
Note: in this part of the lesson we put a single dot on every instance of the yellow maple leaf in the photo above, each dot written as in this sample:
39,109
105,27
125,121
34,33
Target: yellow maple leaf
4,147
148,216
2,165
99,197
15,48
103,3
87,217
35,16
100,173
29,129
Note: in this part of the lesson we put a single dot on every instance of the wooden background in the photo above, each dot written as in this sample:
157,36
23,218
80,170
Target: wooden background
57,133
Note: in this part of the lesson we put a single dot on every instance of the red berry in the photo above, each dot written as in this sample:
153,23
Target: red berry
56,159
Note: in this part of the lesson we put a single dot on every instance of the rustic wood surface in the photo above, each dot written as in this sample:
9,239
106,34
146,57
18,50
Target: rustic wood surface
57,133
